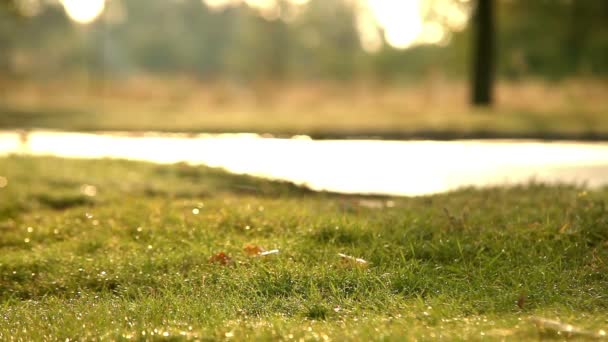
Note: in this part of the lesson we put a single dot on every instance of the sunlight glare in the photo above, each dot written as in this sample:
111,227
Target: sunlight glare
260,5
83,11
433,33
402,24
377,167
268,9
220,4
401,20
455,13
409,23
369,34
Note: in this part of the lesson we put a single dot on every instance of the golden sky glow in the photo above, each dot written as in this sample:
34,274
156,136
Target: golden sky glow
401,20
407,23
83,11
399,23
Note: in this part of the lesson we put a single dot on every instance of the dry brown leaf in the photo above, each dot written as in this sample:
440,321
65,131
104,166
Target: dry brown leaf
253,250
220,258
258,251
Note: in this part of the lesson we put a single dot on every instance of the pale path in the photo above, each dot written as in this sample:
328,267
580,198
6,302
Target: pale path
350,166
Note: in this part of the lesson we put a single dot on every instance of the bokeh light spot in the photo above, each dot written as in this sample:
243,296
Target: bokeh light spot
83,11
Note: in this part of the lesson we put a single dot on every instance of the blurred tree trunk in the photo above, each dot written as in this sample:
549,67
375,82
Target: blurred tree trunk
483,53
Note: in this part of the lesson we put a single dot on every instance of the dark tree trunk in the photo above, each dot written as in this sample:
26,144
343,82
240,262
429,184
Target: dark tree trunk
483,53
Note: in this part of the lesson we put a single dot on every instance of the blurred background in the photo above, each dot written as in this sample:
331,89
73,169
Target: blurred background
327,68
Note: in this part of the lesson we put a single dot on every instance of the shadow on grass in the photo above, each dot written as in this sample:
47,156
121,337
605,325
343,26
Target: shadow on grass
534,125
219,181
63,202
56,184
17,118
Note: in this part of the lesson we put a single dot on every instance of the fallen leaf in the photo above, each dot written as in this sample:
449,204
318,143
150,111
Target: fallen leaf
220,258
351,260
258,251
253,250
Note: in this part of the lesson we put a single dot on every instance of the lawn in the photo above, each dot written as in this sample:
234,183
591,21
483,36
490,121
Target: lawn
122,250
436,109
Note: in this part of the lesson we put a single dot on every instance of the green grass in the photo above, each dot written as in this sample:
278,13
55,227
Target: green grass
132,261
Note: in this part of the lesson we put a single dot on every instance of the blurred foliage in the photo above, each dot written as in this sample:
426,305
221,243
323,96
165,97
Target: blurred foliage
551,39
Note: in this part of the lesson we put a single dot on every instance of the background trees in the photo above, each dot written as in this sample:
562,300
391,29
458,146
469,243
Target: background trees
319,40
